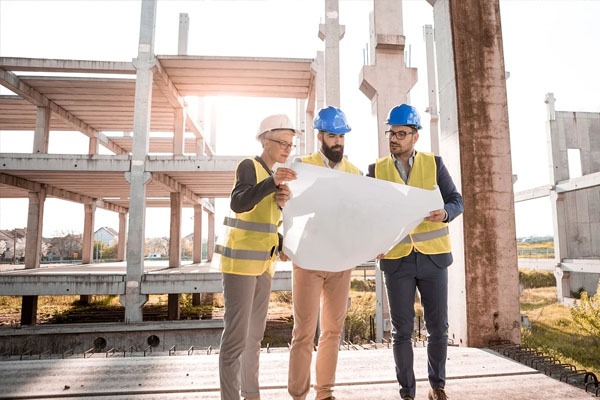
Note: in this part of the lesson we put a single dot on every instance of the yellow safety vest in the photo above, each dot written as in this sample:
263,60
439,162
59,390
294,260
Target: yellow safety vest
317,159
250,236
427,237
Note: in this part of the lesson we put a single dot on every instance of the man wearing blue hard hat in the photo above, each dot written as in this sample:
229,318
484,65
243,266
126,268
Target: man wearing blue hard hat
310,287
420,260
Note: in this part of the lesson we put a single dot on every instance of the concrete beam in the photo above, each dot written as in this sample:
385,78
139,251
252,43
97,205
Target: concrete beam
534,193
190,163
13,83
174,186
52,191
63,162
55,65
61,284
582,182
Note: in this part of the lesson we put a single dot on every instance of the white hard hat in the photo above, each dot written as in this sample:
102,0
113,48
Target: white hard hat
276,122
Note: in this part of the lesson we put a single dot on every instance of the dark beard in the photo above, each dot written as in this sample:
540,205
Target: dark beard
334,156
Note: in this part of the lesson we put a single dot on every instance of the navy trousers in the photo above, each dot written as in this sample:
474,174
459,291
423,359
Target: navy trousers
402,277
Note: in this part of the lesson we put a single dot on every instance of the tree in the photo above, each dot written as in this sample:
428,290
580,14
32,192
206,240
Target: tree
586,314
2,248
157,246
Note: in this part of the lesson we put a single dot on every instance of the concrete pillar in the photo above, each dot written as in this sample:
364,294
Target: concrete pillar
318,66
122,236
33,247
87,247
178,132
559,171
387,82
87,250
332,32
138,177
432,109
475,145
184,28
197,244
41,135
197,247
94,146
175,250
175,231
210,244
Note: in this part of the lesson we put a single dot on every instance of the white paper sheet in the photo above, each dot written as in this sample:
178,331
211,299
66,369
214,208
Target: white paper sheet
337,220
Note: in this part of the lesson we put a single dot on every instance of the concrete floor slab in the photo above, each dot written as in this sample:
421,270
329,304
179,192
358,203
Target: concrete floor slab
473,374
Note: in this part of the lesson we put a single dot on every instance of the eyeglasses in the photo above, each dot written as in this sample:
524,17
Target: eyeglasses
283,144
399,134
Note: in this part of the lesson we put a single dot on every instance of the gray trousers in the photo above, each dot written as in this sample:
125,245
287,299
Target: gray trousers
246,304
402,277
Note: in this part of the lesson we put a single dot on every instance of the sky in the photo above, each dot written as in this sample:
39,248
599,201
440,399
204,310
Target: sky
549,46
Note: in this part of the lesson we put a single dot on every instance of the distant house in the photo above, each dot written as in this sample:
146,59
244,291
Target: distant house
8,236
108,236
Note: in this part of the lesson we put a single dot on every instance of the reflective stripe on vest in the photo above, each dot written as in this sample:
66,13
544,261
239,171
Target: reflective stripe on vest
428,237
243,254
248,243
423,236
250,226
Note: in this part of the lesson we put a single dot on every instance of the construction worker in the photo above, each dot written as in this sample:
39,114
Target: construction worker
420,260
311,286
248,256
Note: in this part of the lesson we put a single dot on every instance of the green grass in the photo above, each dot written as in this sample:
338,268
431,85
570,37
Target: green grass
554,332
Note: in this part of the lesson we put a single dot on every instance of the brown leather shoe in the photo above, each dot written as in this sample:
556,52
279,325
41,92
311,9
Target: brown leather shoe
437,394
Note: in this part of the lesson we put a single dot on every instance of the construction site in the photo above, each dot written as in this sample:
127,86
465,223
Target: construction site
152,143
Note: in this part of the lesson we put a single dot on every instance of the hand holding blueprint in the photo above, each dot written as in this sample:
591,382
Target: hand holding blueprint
337,220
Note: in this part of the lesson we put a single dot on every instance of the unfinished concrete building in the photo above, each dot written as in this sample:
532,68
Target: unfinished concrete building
473,137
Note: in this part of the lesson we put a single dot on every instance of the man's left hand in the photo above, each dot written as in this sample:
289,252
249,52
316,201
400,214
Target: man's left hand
437,216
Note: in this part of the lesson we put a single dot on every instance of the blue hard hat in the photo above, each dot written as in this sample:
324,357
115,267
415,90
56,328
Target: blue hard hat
404,115
331,119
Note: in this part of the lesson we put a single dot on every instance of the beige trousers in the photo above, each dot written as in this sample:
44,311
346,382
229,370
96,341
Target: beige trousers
312,289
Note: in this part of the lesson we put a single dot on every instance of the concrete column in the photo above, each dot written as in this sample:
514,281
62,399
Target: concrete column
184,28
138,177
41,135
87,250
432,109
387,82
33,247
559,171
94,146
197,244
178,132
175,250
332,32
33,238
175,231
475,141
210,245
122,236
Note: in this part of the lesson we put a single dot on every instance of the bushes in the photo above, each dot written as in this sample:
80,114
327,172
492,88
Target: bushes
586,314
536,279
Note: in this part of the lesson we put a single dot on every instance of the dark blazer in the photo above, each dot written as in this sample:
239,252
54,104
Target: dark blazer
453,204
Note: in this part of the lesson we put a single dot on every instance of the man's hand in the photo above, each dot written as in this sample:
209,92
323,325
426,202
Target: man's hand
282,194
283,175
437,216
283,256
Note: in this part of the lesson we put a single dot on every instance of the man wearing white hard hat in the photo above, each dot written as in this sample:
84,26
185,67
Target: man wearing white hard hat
248,254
